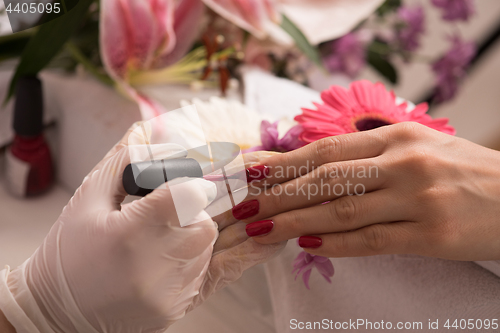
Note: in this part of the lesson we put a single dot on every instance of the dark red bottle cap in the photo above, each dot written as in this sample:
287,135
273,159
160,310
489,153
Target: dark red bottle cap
28,109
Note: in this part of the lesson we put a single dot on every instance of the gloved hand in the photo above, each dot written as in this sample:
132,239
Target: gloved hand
106,267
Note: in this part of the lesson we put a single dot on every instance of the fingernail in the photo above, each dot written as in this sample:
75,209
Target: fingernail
258,172
259,228
311,242
246,209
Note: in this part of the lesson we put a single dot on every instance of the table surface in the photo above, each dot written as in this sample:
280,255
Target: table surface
25,222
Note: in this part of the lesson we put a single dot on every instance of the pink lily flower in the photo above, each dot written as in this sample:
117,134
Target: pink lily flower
143,35
256,16
138,35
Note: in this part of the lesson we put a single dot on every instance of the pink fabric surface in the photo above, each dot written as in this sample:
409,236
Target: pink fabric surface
390,288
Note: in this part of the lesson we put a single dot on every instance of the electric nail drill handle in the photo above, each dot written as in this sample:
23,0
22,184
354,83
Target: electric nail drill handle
143,177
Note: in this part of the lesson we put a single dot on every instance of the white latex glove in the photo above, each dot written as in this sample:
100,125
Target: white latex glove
108,268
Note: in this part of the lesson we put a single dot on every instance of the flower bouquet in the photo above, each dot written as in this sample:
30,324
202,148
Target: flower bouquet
131,44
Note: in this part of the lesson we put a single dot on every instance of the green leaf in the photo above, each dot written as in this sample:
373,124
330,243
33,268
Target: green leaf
47,43
381,64
388,6
12,45
301,41
89,66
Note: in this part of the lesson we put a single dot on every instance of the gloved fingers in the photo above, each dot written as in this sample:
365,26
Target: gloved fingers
107,178
178,205
184,283
231,236
228,266
137,138
102,190
106,182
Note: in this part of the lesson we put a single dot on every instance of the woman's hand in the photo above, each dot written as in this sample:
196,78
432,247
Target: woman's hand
397,189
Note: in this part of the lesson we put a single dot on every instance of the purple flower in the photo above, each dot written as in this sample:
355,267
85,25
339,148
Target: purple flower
270,138
347,55
451,68
413,20
454,10
305,262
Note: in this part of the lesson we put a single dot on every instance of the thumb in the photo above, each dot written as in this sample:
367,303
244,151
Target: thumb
180,202
158,217
103,187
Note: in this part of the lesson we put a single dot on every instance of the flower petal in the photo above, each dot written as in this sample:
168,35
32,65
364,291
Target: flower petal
115,42
269,135
373,97
325,268
320,259
133,32
454,10
299,261
323,20
419,110
339,99
187,16
315,135
149,108
251,15
291,139
302,268
306,276
165,37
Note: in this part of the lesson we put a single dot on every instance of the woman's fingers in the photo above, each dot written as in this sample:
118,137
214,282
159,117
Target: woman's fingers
353,146
226,218
344,214
383,238
326,183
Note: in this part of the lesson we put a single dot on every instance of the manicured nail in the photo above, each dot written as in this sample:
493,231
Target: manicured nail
246,209
311,242
258,172
259,228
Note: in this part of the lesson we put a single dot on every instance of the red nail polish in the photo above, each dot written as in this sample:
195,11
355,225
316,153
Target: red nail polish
246,209
259,228
311,242
258,172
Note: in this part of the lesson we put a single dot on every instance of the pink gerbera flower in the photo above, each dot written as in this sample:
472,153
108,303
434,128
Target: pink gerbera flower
362,107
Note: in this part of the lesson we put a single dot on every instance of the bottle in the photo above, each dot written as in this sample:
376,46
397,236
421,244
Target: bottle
29,168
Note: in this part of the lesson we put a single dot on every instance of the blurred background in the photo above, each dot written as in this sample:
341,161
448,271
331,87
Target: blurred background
92,94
